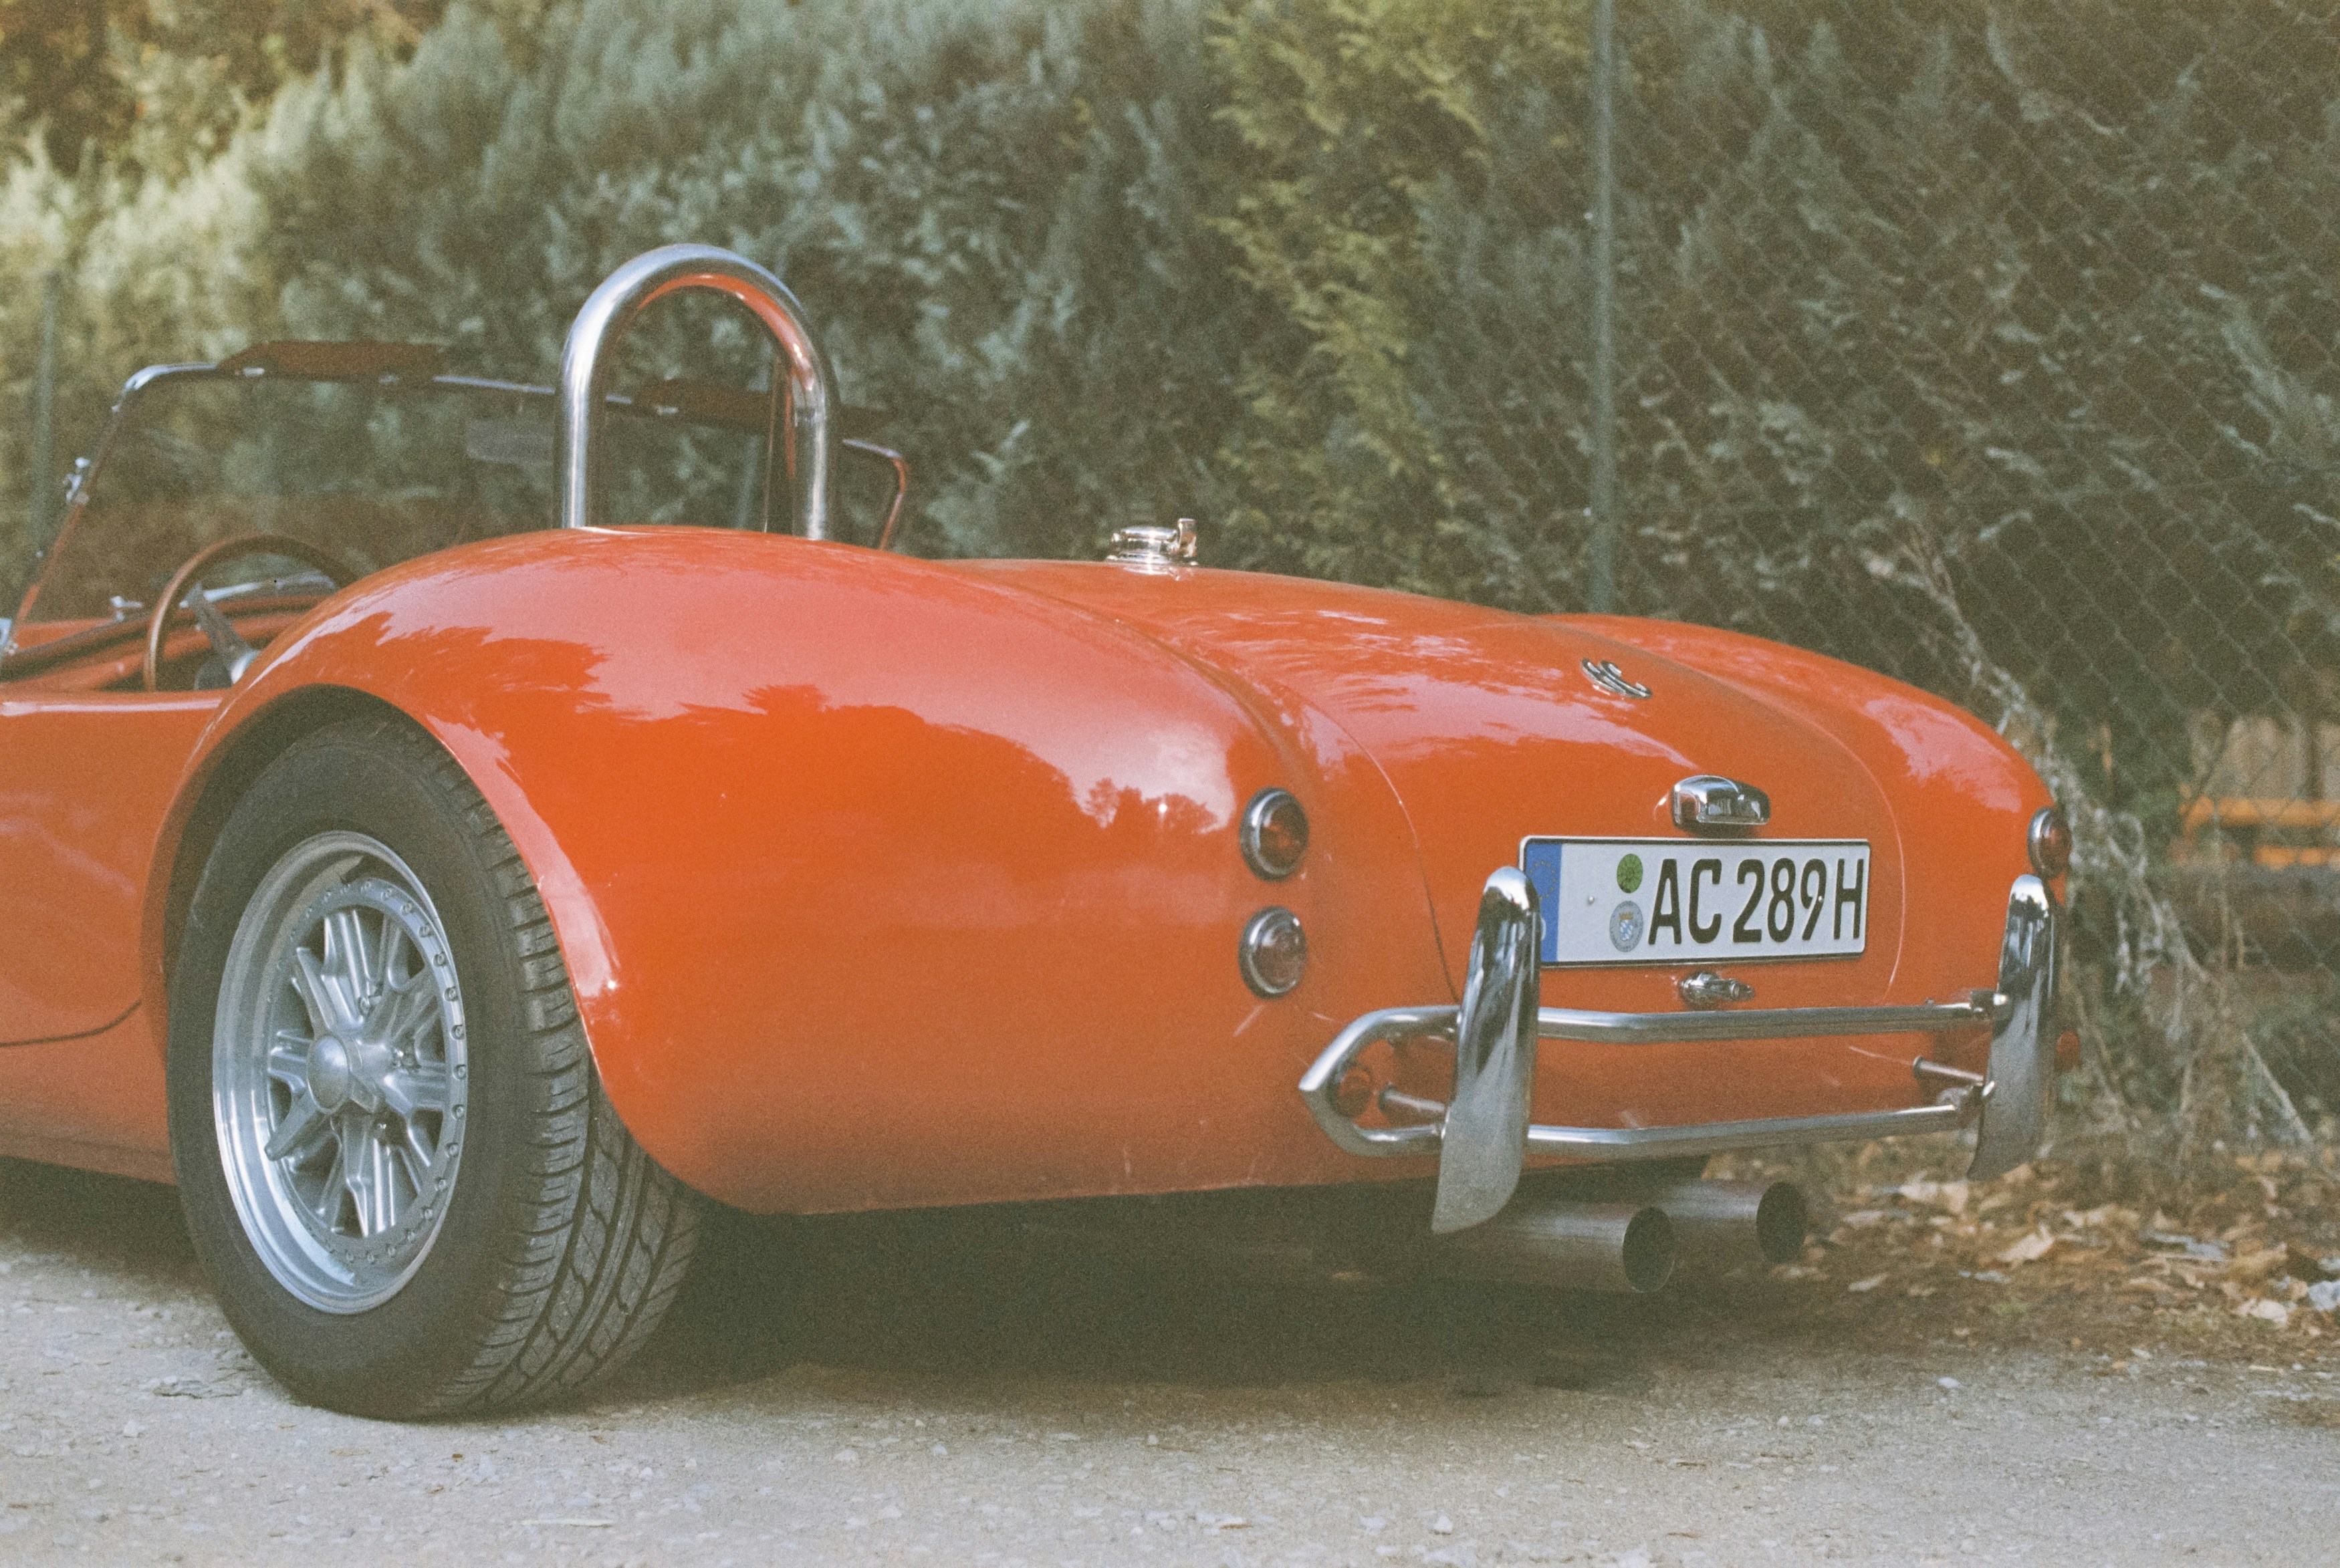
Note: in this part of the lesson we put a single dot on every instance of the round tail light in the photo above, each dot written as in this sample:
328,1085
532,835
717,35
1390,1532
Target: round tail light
1273,952
2051,843
1274,834
1355,1093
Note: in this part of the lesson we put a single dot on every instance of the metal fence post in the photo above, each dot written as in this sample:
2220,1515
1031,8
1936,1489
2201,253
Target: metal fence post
44,419
1601,585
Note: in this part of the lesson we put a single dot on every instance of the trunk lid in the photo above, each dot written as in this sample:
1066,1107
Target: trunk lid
1493,727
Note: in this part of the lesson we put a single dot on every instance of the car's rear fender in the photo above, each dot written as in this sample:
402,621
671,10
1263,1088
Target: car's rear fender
877,884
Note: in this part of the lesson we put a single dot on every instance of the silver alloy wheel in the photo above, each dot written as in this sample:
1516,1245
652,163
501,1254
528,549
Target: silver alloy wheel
338,1071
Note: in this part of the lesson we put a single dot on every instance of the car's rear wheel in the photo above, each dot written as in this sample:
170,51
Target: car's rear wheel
396,1163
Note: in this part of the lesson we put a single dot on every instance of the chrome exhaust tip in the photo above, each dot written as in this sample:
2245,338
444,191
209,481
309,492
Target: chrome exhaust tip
1624,1247
1726,1225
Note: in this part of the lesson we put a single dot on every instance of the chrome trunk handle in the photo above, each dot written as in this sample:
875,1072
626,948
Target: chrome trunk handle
806,448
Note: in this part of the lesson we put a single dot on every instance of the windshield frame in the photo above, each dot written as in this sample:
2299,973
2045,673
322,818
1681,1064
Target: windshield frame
238,369
86,471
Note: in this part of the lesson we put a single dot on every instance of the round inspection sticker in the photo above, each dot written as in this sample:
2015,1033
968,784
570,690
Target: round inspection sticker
1625,926
1629,874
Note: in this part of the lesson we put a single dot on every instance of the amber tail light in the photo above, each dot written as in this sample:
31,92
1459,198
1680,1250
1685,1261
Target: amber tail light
2051,843
1273,952
1273,835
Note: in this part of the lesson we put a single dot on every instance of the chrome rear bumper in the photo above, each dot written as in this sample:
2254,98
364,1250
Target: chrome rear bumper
1482,1137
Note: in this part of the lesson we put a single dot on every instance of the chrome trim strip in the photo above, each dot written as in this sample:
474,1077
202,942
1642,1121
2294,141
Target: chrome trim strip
809,445
1760,1024
1621,1143
1485,1133
2012,1105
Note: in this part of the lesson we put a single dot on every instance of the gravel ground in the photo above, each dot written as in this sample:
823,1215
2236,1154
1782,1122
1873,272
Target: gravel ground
949,1393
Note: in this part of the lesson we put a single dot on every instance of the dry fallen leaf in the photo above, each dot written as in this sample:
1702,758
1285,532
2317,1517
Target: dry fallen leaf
1949,1195
2274,1312
2027,1248
2257,1264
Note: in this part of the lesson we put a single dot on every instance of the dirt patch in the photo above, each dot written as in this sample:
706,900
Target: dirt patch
2320,1415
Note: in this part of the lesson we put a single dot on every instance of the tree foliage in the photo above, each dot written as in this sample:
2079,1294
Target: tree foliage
158,80
1366,126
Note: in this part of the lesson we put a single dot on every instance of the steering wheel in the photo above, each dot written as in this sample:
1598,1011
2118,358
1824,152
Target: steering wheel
227,641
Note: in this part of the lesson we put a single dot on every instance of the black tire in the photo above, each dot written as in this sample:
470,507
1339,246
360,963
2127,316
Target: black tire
553,1242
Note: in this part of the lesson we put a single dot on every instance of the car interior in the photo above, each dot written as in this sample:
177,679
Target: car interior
291,469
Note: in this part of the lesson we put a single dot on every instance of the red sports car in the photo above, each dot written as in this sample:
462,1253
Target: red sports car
452,828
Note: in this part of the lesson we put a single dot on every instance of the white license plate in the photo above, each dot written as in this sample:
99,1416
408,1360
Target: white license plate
1671,901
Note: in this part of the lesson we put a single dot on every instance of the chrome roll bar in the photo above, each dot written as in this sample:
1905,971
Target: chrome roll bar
804,449
1485,1135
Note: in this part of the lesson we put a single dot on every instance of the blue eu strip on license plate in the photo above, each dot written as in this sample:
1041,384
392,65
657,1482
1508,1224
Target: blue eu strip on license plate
1612,900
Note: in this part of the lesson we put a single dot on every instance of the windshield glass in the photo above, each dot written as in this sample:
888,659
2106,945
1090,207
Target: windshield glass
375,472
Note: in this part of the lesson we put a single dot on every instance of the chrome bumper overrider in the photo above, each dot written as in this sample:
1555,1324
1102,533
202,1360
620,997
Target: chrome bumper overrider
1482,1137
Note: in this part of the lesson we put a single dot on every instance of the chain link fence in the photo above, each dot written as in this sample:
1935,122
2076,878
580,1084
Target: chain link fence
1994,347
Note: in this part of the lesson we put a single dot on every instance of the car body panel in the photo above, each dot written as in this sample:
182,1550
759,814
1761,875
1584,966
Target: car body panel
84,778
94,1101
885,882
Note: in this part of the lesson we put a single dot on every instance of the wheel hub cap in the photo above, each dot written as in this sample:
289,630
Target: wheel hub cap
329,1073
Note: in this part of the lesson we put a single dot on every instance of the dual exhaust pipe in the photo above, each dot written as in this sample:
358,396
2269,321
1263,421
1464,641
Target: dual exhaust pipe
1631,1247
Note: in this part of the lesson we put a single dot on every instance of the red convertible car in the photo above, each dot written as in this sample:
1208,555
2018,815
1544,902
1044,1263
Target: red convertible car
454,829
